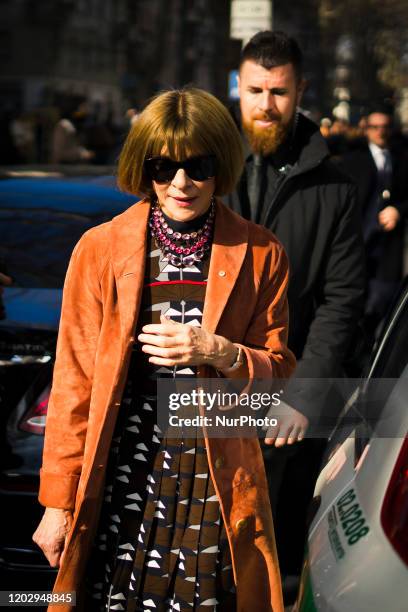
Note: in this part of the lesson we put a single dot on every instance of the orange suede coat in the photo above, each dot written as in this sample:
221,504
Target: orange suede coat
245,301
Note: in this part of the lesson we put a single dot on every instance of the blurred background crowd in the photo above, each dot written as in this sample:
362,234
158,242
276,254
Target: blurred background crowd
74,72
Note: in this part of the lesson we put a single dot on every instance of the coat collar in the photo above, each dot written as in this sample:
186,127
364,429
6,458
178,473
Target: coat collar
128,249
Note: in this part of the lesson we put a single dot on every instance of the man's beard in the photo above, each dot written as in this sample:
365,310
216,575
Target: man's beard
266,140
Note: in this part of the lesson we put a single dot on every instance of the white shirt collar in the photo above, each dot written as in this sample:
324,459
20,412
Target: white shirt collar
379,155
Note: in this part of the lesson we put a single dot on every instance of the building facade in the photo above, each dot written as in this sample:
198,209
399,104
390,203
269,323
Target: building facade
57,48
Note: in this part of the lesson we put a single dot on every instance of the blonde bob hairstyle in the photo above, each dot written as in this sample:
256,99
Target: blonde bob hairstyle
182,122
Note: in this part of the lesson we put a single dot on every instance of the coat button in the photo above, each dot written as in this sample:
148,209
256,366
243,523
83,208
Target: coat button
241,524
219,462
221,273
83,528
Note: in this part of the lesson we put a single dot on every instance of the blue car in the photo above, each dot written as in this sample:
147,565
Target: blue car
41,219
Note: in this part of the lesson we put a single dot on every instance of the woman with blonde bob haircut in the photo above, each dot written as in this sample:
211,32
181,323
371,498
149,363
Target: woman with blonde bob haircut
178,286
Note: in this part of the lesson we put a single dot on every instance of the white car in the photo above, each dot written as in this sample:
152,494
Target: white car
357,550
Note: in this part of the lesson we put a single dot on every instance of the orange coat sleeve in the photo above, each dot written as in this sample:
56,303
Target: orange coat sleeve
265,342
68,407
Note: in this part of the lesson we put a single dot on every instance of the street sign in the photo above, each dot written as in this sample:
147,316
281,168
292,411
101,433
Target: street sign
249,17
251,8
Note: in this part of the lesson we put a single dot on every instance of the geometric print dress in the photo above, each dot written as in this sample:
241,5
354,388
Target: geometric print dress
161,543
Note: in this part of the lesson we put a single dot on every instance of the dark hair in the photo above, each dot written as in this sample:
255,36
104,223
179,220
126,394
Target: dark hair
383,107
270,49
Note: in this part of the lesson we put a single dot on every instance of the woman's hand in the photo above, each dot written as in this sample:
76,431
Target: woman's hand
51,533
170,343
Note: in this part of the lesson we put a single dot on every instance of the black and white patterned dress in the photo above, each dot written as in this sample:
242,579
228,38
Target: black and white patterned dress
161,543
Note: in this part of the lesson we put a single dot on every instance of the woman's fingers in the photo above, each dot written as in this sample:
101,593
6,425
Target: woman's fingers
51,545
171,328
51,533
165,353
183,344
162,361
173,343
167,335
54,555
156,340
165,319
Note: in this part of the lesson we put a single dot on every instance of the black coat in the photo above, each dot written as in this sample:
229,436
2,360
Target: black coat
361,166
314,214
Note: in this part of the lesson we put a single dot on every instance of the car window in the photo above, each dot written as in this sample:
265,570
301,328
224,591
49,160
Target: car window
394,354
365,406
35,245
41,220
391,364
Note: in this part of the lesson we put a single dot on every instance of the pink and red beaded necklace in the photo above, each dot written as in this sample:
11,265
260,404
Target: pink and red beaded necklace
181,249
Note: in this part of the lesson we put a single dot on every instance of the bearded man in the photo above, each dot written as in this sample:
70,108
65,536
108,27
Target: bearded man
290,186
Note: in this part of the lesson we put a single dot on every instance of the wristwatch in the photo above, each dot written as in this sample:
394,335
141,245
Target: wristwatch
239,360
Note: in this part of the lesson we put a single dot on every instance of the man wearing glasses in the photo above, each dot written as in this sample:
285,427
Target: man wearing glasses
380,170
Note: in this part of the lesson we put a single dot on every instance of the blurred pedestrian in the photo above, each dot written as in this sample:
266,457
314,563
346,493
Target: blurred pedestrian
291,187
100,137
380,170
23,131
9,153
325,126
132,115
66,139
338,138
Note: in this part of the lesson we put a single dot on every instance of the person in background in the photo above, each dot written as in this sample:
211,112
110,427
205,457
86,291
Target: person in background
291,187
177,286
338,137
9,153
380,170
132,115
325,125
66,147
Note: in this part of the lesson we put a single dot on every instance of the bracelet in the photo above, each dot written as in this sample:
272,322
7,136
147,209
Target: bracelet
239,360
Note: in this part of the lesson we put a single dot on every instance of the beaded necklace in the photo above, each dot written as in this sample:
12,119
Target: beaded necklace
181,249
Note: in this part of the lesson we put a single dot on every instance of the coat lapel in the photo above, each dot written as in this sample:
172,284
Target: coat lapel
128,238
228,253
128,247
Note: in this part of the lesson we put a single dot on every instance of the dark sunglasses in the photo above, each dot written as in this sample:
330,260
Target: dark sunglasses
163,169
